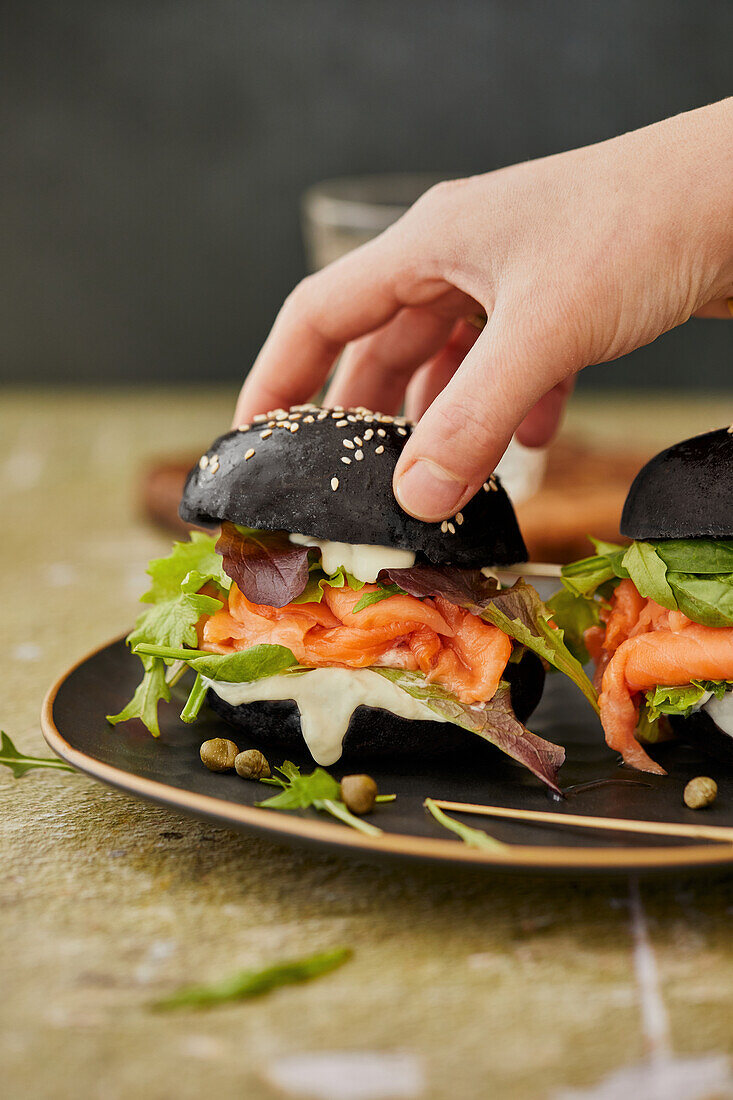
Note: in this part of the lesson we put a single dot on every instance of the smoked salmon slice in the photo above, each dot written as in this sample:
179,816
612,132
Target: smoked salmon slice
449,645
644,646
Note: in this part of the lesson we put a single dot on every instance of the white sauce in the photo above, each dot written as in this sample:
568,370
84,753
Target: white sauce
721,711
362,561
326,698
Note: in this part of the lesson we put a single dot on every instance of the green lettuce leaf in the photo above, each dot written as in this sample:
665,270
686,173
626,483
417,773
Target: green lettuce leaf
705,598
495,721
521,614
318,580
574,614
649,574
696,555
681,700
195,556
585,577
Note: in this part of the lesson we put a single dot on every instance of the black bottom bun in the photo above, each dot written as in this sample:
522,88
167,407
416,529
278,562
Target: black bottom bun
375,733
703,733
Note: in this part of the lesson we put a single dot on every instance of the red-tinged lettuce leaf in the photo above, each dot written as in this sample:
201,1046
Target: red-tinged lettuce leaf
495,721
266,567
467,588
521,614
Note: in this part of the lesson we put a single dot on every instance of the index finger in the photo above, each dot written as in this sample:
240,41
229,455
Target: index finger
348,299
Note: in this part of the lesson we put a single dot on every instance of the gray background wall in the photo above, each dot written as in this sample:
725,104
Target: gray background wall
155,150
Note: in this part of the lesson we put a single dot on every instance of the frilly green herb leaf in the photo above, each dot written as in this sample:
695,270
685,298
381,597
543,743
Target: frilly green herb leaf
19,763
255,983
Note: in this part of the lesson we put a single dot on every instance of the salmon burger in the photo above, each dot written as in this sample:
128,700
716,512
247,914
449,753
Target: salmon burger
321,615
656,617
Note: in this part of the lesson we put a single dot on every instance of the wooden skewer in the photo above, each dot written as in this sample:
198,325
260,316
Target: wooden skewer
616,824
532,569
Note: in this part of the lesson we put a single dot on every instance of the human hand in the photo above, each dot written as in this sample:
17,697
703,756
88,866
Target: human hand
574,259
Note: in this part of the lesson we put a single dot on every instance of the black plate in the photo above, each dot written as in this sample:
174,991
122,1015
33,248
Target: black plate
168,771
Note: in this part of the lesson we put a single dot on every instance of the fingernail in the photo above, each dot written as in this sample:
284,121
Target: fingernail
429,492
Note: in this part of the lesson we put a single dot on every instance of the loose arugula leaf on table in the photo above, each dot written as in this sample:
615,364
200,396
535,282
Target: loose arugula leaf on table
475,838
19,763
495,721
254,983
265,565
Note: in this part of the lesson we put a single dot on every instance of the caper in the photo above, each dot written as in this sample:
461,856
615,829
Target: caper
218,754
251,764
358,792
700,792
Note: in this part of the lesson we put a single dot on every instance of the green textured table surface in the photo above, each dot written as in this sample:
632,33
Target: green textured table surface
470,987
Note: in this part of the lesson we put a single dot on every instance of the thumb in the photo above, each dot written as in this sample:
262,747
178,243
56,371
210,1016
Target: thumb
463,434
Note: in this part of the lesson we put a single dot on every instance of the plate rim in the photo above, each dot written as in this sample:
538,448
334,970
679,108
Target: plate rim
531,858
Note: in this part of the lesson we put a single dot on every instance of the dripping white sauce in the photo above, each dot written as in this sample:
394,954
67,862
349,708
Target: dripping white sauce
362,561
326,699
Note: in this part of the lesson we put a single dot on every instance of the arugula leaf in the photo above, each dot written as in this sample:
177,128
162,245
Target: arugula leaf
375,597
19,763
494,721
585,577
475,838
319,790
575,614
649,574
256,663
301,791
198,556
151,690
521,614
265,565
254,983
318,580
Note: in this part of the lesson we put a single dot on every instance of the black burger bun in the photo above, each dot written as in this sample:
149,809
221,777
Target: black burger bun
375,733
328,474
684,492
